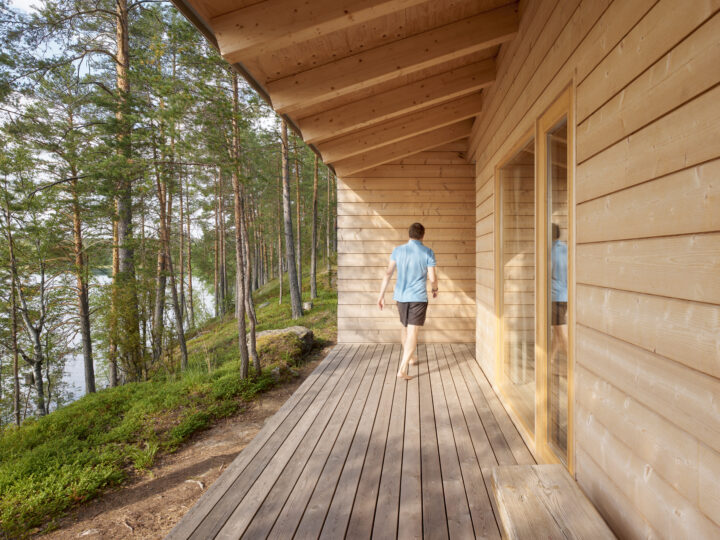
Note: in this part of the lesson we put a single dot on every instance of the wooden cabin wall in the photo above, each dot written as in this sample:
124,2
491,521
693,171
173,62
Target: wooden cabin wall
647,196
435,188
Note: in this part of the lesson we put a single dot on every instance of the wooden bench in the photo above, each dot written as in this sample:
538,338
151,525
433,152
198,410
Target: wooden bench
543,501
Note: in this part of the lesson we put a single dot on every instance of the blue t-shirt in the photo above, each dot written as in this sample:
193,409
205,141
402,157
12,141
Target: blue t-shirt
412,261
558,255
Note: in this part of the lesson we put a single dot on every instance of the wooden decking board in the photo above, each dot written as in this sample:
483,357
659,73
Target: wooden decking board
388,502
363,511
410,516
287,521
210,498
358,453
520,451
216,518
314,517
336,520
483,519
458,511
262,505
434,515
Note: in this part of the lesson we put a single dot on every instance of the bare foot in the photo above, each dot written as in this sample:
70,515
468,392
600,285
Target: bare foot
404,376
413,361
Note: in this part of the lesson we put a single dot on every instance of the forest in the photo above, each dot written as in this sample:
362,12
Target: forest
145,190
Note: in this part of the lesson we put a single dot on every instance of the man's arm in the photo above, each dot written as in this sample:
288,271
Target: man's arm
432,275
386,280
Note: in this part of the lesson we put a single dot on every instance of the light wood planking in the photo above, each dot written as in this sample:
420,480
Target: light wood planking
395,59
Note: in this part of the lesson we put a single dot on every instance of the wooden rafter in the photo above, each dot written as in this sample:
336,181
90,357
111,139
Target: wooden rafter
399,101
274,24
401,128
404,148
395,59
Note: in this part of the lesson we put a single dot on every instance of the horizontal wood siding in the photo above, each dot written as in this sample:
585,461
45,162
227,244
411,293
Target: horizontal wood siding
647,383
374,213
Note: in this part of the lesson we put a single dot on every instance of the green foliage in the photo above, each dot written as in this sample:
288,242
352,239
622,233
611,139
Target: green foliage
51,463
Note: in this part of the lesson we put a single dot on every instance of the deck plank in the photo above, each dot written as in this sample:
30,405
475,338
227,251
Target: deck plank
386,514
331,420
357,453
458,512
410,518
271,456
483,396
209,499
317,508
483,519
337,517
433,498
363,511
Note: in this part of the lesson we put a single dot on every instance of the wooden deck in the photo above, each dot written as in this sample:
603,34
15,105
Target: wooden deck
357,453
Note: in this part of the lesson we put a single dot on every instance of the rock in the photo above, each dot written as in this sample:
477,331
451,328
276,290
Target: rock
307,306
305,335
264,304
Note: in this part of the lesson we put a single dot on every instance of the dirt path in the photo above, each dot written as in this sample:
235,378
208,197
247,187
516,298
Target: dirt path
149,506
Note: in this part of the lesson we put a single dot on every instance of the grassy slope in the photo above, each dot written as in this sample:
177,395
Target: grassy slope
71,455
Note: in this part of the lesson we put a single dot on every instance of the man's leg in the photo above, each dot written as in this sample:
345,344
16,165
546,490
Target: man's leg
403,337
408,350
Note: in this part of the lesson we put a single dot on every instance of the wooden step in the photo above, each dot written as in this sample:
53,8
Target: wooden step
543,501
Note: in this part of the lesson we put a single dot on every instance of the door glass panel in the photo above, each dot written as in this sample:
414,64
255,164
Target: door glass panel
517,183
557,358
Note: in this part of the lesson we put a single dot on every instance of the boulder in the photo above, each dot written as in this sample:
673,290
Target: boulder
264,304
304,334
307,306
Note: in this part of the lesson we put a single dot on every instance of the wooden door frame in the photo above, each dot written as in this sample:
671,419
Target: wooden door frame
562,106
536,436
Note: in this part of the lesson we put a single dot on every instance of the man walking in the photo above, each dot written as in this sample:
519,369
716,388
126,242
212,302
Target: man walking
415,263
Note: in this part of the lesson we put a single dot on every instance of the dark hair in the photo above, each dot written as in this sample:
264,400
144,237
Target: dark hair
416,231
555,231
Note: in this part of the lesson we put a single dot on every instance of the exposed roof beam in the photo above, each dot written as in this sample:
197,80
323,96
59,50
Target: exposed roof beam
399,101
401,128
399,150
395,59
274,24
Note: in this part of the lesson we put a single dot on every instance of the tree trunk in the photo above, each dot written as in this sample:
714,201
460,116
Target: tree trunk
241,283
113,345
159,310
249,305
128,317
298,253
189,260
16,366
295,300
313,241
82,290
165,193
181,251
216,281
327,230
279,240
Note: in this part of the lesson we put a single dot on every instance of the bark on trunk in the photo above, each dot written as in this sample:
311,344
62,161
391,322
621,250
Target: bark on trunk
295,301
128,318
327,230
249,305
16,364
313,241
189,260
112,352
298,253
82,291
241,291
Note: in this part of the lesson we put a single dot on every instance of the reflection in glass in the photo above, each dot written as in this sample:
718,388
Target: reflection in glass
517,192
557,372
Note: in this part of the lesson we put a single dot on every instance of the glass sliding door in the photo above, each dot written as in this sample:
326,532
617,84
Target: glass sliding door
517,255
534,291
557,289
555,295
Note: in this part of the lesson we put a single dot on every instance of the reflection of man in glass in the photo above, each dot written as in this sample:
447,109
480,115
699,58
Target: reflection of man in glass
558,257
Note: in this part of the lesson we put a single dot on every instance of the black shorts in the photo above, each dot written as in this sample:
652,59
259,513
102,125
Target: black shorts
559,313
412,313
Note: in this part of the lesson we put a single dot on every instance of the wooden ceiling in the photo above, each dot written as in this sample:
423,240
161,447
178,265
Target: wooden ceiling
365,82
